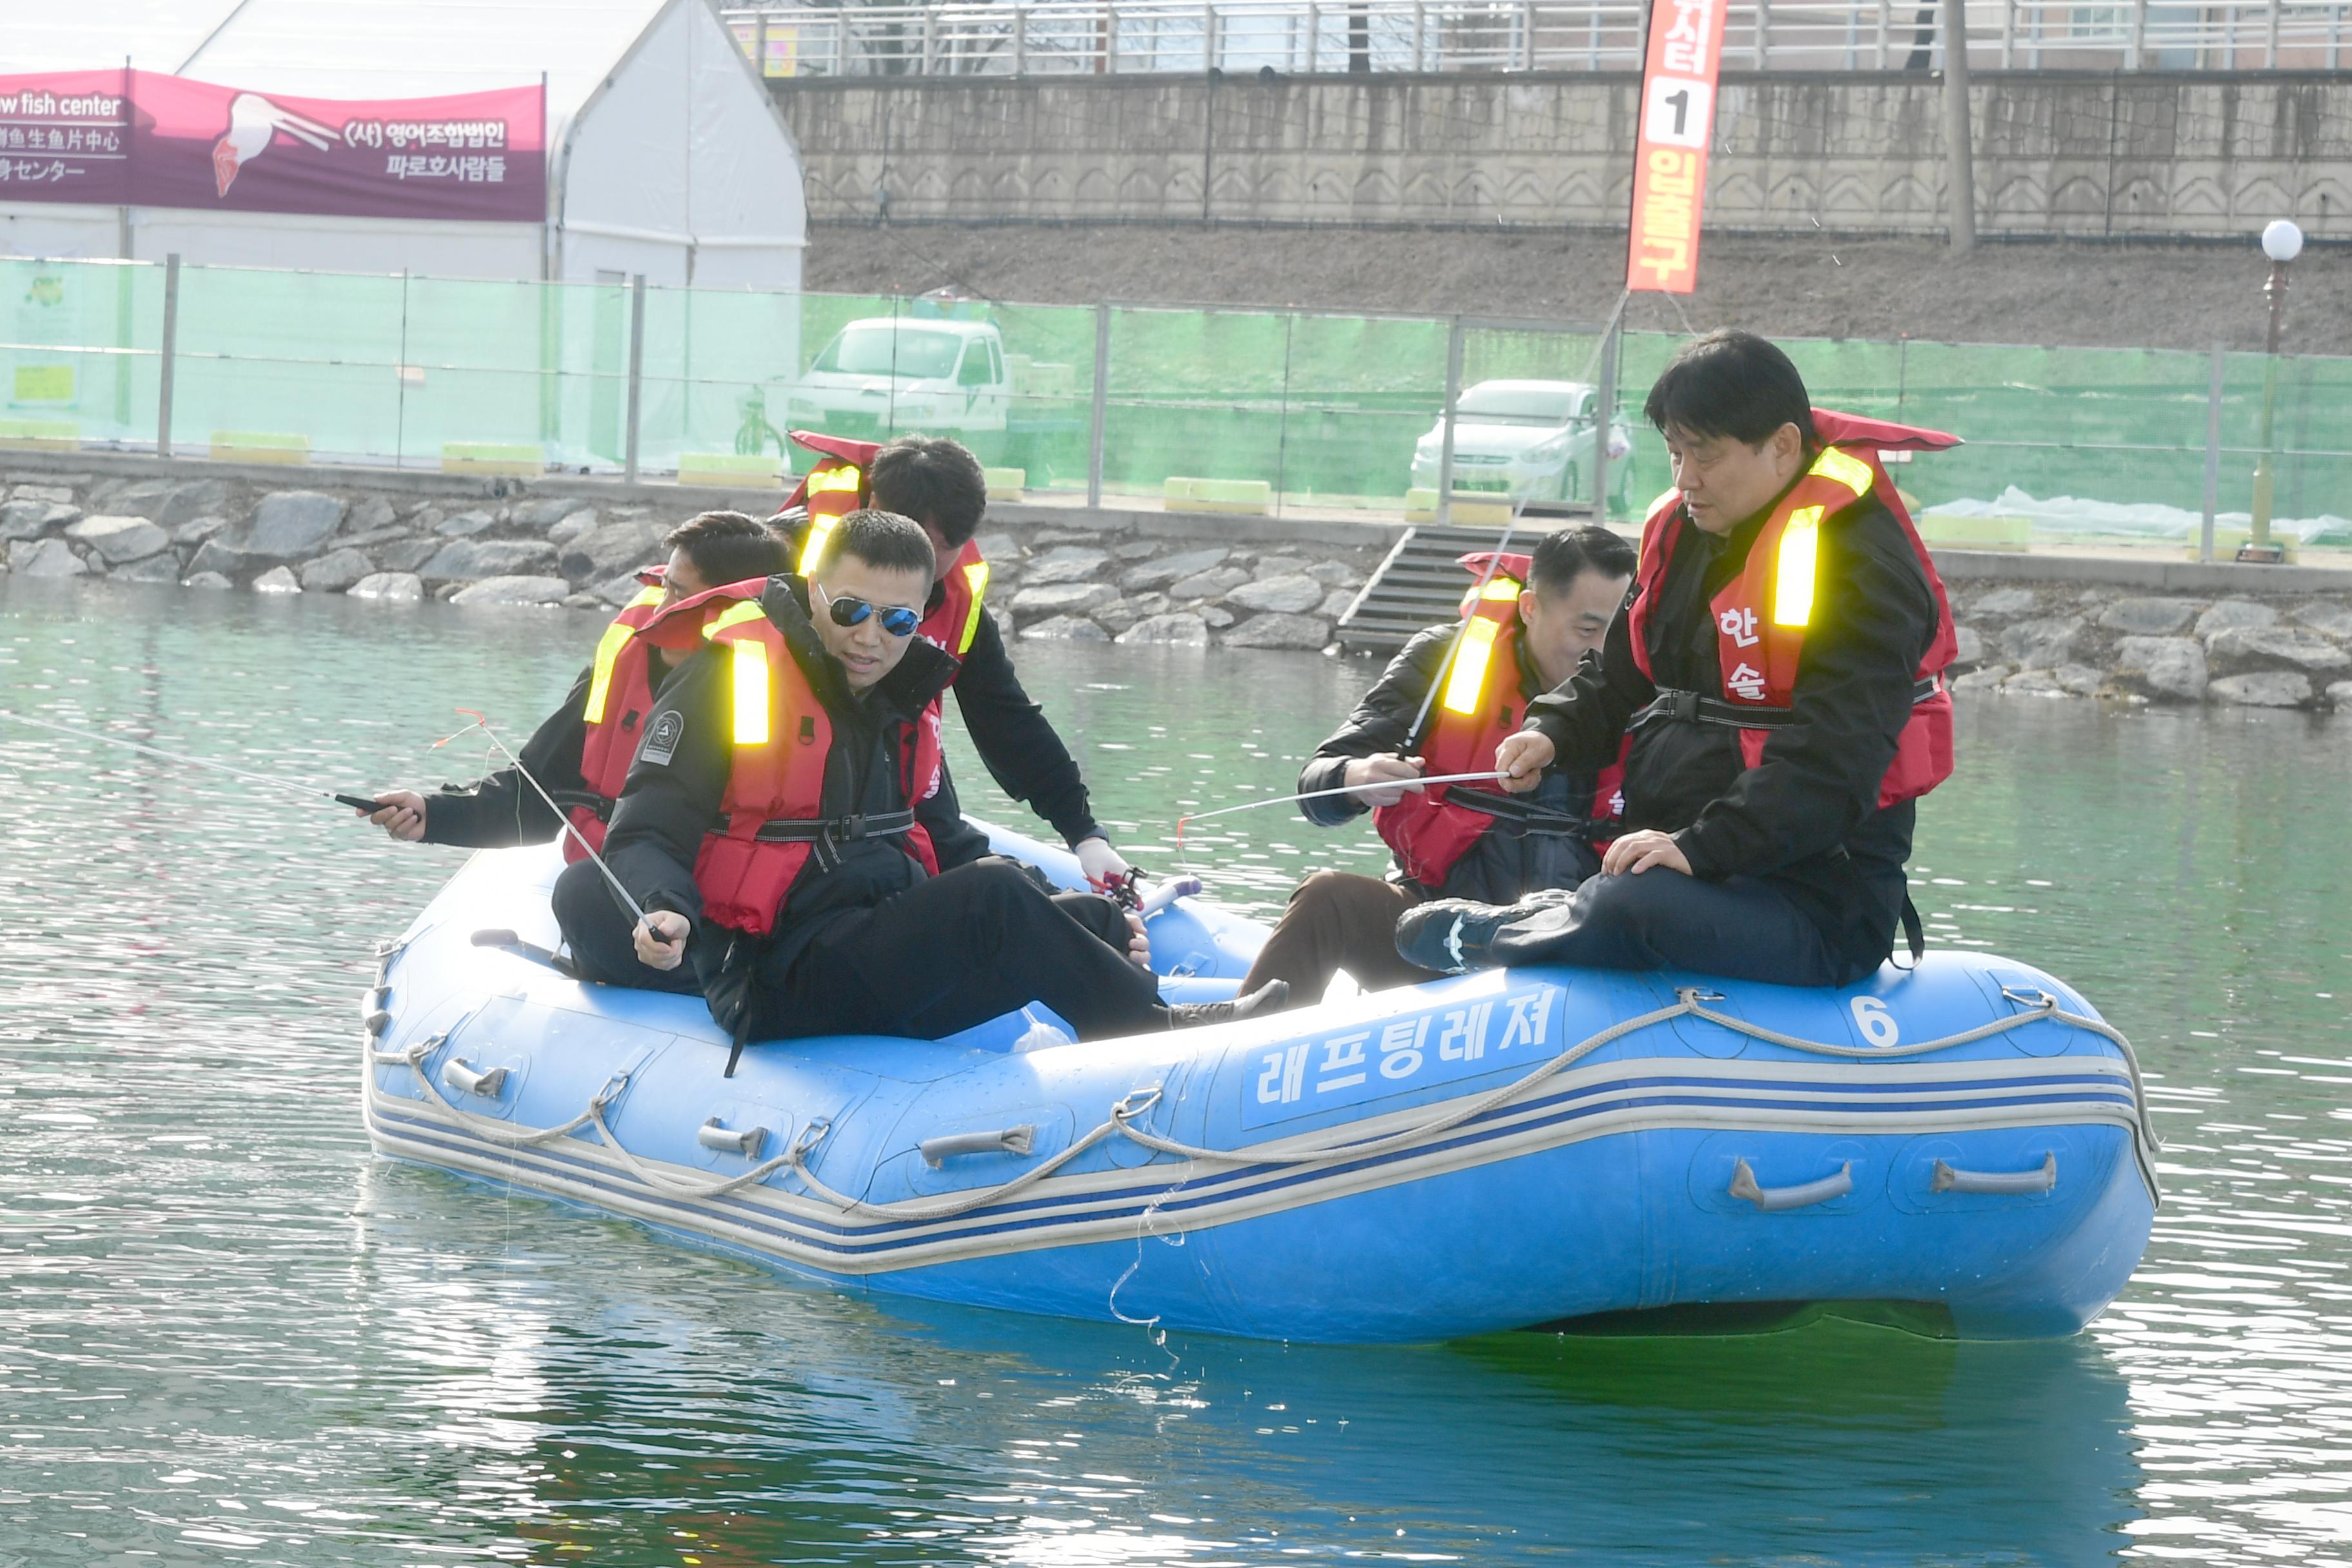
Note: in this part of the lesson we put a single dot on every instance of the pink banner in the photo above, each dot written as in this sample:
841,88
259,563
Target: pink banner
117,138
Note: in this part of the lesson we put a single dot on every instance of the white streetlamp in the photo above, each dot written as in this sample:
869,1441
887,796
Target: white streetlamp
2282,242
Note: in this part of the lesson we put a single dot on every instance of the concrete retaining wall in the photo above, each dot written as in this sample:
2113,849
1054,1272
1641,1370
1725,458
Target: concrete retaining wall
2058,152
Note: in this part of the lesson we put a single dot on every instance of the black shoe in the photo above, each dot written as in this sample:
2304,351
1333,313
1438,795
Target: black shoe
1267,998
1451,935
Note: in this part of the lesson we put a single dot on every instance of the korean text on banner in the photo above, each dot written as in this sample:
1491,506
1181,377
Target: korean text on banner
142,138
1670,159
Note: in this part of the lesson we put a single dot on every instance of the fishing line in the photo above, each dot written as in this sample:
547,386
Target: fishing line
482,723
1489,776
273,780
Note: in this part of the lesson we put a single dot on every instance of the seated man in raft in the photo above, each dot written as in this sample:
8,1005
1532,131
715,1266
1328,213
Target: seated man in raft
1775,690
768,830
1527,630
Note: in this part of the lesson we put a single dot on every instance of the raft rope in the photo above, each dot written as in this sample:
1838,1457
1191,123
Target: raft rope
1691,1002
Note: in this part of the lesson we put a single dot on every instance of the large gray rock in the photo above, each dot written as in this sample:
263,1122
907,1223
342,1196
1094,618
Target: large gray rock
1987,678
61,495
185,503
1170,568
548,511
2263,689
2339,693
521,590
207,579
2035,683
2001,602
1280,566
32,519
1176,630
2336,620
1334,603
1070,563
211,555
1291,593
2147,617
614,548
120,539
43,558
163,568
2079,679
1063,599
2042,643
570,528
336,571
396,587
277,580
1208,584
373,515
2235,615
1064,628
288,525
2171,668
1117,615
196,530
2240,647
473,560
1279,630
618,591
1003,547
1132,551
467,524
408,555
1968,645
1335,574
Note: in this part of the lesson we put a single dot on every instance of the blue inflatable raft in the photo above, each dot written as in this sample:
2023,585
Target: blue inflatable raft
1495,1150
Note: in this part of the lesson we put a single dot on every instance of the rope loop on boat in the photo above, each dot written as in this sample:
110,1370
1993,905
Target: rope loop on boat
1126,1115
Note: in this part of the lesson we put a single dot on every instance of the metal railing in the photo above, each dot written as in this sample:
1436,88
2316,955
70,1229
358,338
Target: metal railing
1120,37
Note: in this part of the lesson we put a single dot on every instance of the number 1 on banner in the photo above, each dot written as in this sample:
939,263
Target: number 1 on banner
1685,46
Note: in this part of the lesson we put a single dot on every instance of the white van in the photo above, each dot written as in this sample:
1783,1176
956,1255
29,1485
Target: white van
883,374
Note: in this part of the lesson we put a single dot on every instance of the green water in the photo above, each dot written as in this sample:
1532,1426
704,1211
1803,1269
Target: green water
227,1334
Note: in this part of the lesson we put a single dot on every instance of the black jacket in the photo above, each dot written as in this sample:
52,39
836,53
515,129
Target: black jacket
1503,865
1807,819
666,806
1014,739
501,809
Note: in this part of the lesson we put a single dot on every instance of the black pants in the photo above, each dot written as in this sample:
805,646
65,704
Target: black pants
952,952
958,950
1740,928
600,933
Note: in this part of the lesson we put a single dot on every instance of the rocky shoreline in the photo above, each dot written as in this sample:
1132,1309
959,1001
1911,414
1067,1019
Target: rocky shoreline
502,545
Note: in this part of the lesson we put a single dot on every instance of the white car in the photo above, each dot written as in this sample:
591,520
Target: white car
1530,440
885,374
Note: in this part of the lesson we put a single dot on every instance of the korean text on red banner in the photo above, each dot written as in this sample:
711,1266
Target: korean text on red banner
1670,160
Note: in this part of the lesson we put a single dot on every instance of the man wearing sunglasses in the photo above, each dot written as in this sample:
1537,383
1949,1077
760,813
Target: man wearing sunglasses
767,829
582,759
940,485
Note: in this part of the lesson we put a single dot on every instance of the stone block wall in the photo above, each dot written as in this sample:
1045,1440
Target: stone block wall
2057,152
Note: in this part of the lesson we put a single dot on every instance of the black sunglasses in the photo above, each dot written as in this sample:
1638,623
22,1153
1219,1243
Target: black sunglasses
849,610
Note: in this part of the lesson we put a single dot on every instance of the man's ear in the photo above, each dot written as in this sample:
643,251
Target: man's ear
1789,443
1527,607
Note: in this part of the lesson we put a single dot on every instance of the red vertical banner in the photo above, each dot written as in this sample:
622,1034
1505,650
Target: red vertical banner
1677,121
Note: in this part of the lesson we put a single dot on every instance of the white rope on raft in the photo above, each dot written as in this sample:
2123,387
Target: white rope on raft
1121,1121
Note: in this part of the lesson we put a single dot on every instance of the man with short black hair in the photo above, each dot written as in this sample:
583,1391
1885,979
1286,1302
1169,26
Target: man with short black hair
706,551
767,830
1527,628
1775,688
941,485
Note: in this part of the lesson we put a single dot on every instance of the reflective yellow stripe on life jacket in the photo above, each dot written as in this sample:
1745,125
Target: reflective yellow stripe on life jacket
608,652
1850,472
1474,650
1792,573
829,480
976,576
751,692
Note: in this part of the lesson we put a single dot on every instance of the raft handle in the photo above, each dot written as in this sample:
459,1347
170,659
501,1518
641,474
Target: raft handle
1773,1199
1018,1139
2043,1179
745,1140
465,1079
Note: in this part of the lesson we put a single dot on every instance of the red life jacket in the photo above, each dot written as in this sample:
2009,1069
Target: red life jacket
1477,707
1761,616
956,620
775,803
620,692
831,489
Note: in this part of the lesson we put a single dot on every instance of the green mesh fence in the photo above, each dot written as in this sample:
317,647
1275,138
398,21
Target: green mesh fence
1306,414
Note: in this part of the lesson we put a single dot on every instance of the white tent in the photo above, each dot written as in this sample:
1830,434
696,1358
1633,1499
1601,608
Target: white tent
665,154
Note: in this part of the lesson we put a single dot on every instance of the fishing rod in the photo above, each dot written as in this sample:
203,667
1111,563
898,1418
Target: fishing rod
1490,776
356,803
482,722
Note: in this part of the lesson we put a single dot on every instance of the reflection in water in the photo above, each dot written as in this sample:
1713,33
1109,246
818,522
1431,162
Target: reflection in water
226,1333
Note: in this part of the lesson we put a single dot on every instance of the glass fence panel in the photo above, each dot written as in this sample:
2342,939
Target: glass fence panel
482,364
1194,407
275,360
1526,426
78,357
1363,398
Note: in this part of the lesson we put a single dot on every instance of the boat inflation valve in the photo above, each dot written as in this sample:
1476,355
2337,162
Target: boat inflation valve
745,1140
467,1080
2042,1178
1018,1139
1773,1199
